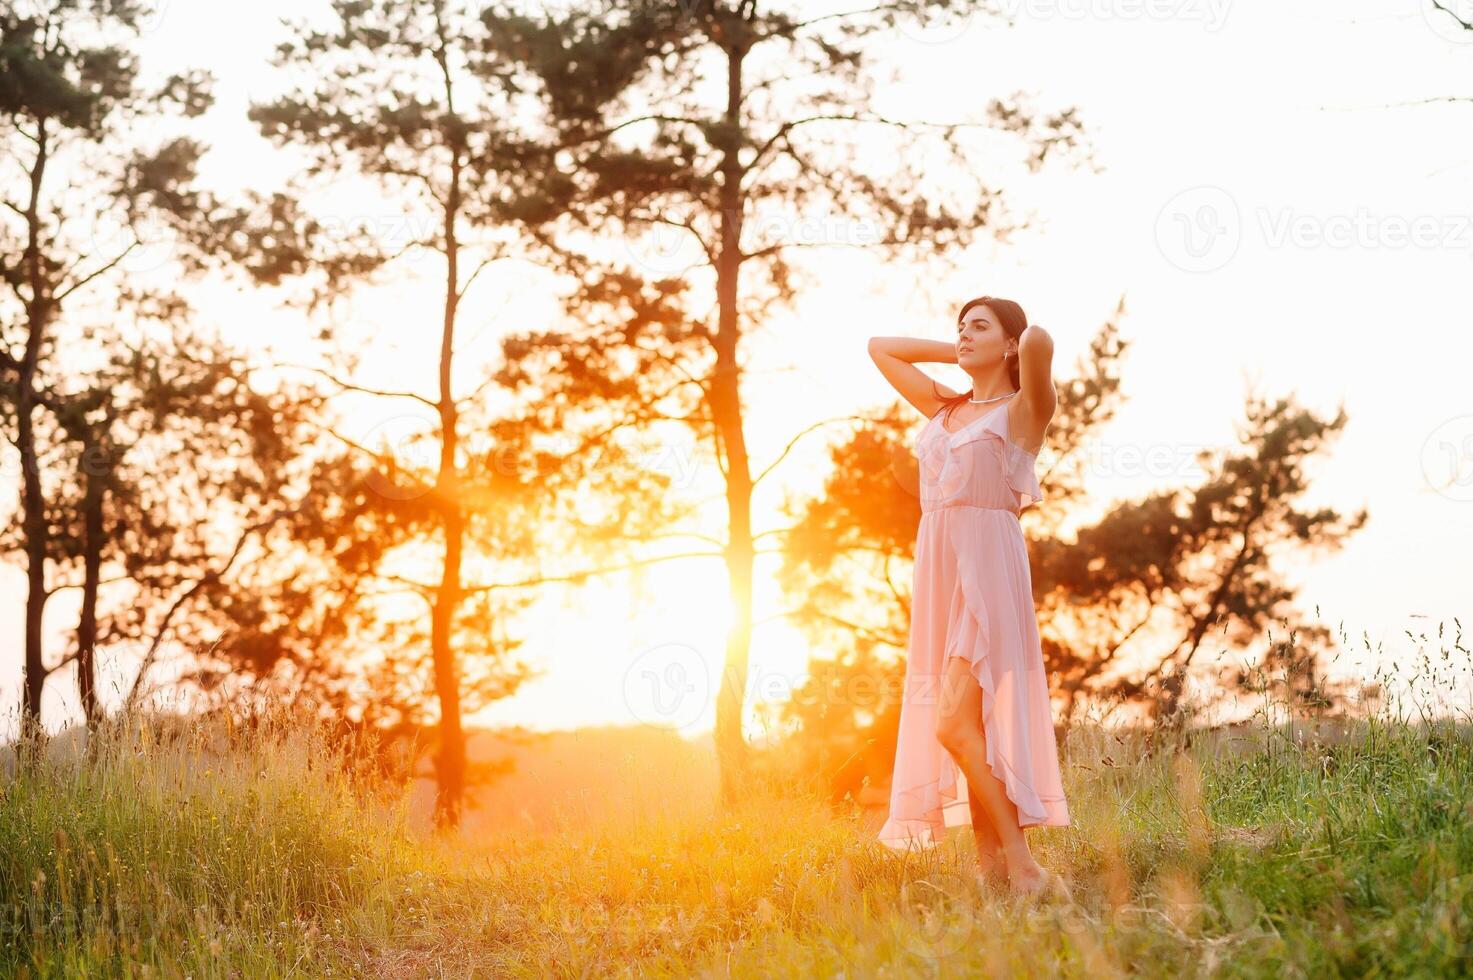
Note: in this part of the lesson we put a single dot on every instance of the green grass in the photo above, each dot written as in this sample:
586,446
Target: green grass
1254,852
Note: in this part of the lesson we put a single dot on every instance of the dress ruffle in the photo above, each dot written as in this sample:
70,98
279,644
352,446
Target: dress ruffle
969,638
1017,466
937,449
972,600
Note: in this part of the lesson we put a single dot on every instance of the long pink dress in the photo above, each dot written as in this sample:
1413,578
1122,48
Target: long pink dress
972,597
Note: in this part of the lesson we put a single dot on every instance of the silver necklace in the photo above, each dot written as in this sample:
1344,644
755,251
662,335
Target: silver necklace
984,401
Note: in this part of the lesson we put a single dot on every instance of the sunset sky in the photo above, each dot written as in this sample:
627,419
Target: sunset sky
1279,205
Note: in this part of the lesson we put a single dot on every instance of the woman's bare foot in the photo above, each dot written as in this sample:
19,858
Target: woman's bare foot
990,868
1028,879
1038,882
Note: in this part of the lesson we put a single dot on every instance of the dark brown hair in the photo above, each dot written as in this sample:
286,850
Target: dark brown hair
1014,321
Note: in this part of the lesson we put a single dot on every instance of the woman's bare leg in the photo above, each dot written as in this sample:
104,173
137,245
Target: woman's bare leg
959,729
989,845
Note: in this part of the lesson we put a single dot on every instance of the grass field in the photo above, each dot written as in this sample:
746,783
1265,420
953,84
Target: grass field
1260,851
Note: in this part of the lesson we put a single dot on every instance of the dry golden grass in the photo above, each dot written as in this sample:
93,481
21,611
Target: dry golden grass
184,851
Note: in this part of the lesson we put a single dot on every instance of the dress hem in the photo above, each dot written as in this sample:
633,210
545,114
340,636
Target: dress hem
1033,809
921,812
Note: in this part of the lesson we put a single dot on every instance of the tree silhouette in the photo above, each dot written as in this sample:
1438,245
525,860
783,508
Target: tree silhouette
724,125
99,178
1125,603
400,98
154,455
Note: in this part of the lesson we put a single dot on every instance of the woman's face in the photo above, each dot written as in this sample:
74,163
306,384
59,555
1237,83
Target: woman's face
980,338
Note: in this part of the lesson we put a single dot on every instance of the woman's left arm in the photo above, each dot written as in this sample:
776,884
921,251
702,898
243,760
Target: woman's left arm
1035,383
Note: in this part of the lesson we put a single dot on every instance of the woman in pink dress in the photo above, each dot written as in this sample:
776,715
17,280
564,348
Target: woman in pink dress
976,697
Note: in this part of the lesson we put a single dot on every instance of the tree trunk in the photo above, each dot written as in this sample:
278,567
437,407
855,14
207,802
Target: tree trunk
450,763
92,576
33,502
731,744
34,522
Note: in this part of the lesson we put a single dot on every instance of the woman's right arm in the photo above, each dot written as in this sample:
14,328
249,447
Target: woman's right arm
896,357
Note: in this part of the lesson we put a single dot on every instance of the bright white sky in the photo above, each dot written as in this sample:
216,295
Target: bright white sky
1276,205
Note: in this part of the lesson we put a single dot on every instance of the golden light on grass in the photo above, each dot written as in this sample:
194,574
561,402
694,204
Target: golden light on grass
1193,809
246,849
1096,961
1114,871
1180,896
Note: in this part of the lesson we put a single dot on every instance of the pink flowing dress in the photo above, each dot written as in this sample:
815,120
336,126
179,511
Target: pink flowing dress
972,597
